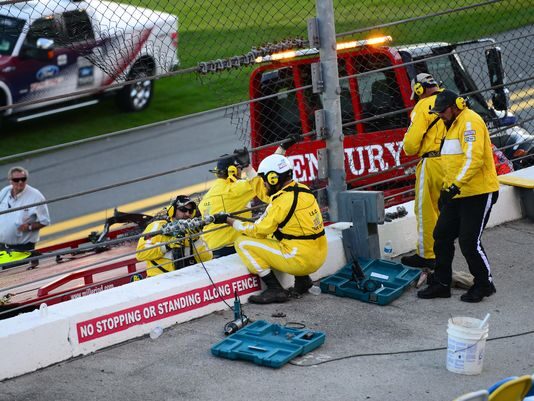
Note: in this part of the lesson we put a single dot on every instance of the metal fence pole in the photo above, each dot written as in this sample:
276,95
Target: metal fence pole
331,104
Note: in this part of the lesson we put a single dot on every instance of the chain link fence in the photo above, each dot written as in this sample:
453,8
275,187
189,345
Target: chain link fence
257,54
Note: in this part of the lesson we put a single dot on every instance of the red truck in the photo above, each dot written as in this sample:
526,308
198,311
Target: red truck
375,107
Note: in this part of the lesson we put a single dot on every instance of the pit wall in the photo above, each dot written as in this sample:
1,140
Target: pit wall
81,326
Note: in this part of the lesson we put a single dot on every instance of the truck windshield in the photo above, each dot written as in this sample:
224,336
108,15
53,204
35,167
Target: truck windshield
10,30
279,114
454,77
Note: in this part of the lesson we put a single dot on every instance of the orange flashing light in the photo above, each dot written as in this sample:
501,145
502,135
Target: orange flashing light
339,46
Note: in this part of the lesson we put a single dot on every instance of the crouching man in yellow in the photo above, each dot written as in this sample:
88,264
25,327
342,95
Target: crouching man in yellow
172,253
288,237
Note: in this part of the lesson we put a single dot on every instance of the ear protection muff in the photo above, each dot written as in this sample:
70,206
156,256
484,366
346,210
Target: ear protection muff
460,103
418,89
272,177
232,171
171,210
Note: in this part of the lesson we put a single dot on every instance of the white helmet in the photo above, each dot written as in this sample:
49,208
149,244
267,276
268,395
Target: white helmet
275,167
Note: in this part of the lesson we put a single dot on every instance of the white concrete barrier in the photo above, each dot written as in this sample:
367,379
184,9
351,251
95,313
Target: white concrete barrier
37,339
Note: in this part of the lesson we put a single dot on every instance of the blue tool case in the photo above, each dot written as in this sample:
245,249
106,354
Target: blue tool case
393,279
268,344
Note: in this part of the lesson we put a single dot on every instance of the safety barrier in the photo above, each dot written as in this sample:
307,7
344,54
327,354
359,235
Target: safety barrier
86,324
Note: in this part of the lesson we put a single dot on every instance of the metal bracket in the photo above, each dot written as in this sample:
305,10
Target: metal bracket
317,78
320,124
322,163
313,33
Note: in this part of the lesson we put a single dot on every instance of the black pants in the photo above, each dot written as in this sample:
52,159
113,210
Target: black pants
465,219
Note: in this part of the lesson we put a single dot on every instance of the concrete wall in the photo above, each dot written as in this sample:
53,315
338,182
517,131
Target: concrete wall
40,338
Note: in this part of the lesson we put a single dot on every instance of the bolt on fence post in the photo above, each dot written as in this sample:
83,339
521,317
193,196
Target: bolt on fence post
331,104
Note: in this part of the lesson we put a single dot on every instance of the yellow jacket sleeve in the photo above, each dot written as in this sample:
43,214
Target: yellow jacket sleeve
147,246
202,251
472,138
266,224
421,120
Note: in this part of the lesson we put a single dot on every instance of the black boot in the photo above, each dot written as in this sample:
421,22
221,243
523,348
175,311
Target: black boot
435,290
417,261
274,293
302,284
477,293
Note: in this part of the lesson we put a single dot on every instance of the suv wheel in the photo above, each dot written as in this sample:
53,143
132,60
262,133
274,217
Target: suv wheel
136,96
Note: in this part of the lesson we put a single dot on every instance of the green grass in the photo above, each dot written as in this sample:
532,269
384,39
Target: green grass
223,28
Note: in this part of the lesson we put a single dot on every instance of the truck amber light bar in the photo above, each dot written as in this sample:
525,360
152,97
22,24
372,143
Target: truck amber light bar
366,42
339,46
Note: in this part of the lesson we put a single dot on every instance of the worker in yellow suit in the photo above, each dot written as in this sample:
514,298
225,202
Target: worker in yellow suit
231,194
288,237
470,189
165,253
423,138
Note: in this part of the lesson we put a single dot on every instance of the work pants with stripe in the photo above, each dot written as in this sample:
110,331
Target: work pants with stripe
428,184
296,257
465,219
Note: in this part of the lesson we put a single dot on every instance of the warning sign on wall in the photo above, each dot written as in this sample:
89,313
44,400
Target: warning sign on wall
160,309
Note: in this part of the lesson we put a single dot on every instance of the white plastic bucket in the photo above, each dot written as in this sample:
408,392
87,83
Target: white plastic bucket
466,344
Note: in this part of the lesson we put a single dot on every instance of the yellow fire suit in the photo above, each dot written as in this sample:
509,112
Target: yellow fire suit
468,163
299,246
467,156
423,139
176,255
228,196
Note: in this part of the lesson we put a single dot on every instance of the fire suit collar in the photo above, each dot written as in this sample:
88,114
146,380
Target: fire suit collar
275,195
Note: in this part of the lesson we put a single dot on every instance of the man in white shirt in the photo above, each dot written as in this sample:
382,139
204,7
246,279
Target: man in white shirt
19,230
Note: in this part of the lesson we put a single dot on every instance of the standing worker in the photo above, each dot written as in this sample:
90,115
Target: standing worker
231,194
423,139
19,230
172,253
470,190
293,218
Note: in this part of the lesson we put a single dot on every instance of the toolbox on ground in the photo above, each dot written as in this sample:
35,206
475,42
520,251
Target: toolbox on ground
392,278
268,344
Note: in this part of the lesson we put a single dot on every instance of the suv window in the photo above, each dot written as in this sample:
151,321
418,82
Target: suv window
10,30
47,28
78,26
379,93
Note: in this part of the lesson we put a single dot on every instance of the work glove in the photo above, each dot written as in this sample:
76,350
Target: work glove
242,157
292,139
220,218
446,195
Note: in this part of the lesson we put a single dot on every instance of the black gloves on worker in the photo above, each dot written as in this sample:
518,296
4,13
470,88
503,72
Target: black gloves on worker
447,194
220,218
292,139
242,157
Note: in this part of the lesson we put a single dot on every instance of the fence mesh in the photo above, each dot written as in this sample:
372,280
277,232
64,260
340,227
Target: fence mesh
76,45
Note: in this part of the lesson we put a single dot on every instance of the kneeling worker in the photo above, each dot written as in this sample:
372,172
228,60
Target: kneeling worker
172,254
231,194
293,218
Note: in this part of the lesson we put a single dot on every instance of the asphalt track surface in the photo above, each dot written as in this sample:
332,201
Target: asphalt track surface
394,352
